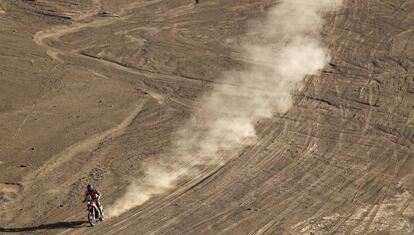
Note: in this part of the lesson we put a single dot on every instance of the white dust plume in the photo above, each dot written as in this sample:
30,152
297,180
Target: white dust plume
281,50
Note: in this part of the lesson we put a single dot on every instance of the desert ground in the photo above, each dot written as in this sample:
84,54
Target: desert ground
90,89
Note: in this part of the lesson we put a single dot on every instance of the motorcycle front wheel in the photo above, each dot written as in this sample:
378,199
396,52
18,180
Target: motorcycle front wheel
91,219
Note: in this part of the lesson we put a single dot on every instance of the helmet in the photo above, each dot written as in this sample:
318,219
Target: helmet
89,187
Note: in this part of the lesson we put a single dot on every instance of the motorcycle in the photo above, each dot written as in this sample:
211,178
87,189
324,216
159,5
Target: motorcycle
93,213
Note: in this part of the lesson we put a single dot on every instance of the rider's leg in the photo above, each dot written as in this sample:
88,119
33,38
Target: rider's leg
98,204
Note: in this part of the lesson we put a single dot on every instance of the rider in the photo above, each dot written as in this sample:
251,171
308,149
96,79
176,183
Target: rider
95,195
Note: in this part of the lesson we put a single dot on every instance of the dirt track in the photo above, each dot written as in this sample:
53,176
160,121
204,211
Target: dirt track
85,97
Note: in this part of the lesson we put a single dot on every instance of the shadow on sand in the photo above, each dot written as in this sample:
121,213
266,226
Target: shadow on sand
59,225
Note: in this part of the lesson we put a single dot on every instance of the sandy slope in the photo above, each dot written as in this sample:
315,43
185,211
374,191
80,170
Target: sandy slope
91,97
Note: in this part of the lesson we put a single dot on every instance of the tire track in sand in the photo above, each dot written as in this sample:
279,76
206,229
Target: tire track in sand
58,31
55,33
86,145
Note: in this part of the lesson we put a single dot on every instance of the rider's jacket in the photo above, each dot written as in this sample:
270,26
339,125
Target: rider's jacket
94,194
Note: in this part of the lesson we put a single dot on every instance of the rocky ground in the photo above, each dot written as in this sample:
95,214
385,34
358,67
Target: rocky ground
90,89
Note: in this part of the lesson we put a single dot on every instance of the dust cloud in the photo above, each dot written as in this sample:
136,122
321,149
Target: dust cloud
281,50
